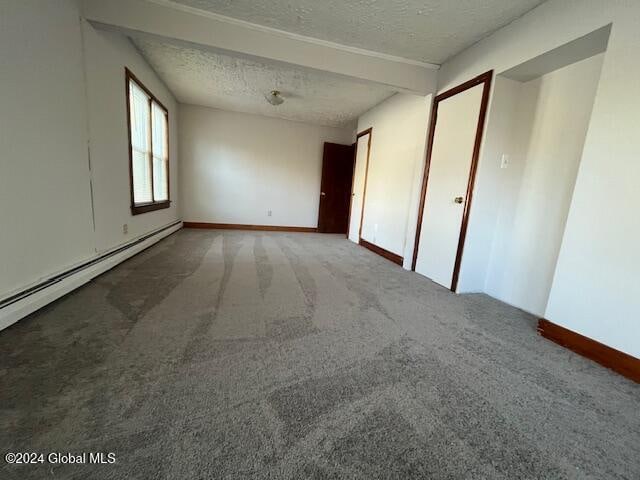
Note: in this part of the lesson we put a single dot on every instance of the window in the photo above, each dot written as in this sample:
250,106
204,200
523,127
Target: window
148,148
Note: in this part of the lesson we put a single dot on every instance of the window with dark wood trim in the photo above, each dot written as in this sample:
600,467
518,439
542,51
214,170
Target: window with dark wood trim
148,127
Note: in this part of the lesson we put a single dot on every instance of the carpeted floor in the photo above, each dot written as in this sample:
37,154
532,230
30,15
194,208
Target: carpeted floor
222,354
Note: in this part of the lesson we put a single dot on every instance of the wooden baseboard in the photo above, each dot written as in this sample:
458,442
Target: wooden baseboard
239,226
397,259
618,361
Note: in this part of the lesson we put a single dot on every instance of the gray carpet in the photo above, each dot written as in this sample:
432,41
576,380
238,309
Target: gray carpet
272,355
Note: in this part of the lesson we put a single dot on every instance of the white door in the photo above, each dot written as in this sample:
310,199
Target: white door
362,151
451,156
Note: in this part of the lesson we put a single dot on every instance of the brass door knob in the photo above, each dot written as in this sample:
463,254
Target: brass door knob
322,193
459,199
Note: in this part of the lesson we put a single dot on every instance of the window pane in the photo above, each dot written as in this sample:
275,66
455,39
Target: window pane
149,146
160,190
140,138
159,131
141,177
139,105
159,145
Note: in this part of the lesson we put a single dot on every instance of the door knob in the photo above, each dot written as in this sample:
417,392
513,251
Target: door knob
322,193
458,199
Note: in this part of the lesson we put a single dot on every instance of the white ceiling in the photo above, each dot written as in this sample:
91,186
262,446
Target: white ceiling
425,30
203,77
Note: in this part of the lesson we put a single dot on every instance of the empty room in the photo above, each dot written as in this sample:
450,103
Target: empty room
319,240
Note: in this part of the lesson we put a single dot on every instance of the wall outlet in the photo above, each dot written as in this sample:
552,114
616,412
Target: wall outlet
504,161
125,228
269,212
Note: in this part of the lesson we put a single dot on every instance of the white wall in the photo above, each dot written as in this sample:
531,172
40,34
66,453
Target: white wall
106,55
544,144
235,167
491,184
595,290
45,181
45,202
395,171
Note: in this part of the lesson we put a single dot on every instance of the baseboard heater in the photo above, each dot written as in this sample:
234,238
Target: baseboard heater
76,270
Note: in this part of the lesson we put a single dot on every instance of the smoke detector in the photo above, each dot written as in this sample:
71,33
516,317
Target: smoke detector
275,98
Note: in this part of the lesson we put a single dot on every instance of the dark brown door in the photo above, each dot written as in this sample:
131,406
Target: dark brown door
335,188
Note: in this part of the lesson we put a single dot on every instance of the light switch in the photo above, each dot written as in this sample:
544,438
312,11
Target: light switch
504,161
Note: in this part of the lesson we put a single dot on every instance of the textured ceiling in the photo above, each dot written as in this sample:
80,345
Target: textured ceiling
425,30
202,77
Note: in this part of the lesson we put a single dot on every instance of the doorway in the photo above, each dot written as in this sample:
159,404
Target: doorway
363,147
335,188
455,133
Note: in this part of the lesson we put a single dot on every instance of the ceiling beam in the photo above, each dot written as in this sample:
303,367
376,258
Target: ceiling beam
178,22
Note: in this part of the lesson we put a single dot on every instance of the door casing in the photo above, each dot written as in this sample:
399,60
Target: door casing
368,131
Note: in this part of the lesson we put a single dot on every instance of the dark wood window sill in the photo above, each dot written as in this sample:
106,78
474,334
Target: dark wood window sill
149,207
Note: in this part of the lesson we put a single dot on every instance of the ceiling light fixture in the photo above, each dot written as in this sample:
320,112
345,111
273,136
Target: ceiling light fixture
275,98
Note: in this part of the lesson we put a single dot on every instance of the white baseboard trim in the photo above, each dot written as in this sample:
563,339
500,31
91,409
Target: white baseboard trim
20,308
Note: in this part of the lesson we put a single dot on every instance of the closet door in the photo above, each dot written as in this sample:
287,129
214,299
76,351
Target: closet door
451,165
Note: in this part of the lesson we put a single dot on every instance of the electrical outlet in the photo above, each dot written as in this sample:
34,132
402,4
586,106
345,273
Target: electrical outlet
269,212
125,228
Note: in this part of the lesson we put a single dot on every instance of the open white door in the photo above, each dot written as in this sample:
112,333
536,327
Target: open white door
450,166
359,179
